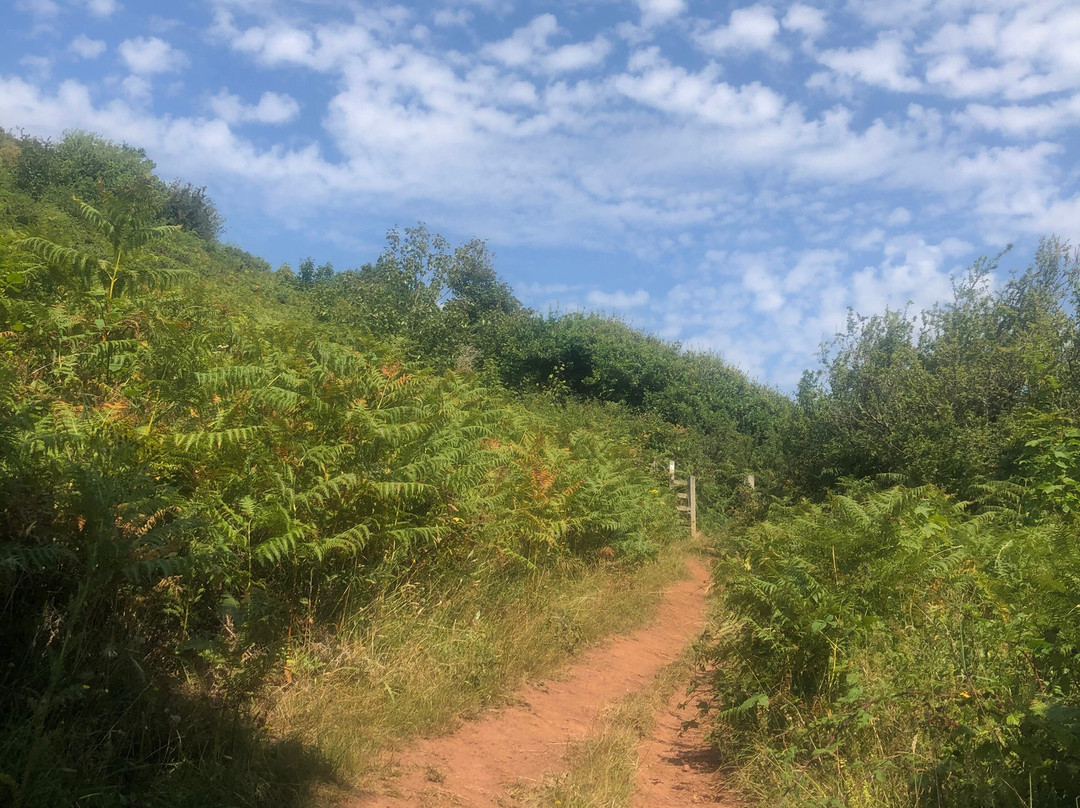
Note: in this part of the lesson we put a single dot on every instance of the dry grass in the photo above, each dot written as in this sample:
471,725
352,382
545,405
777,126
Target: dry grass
601,768
429,656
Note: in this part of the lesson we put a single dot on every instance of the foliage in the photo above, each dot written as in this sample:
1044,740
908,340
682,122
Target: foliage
896,648
80,164
718,423
198,477
189,206
941,402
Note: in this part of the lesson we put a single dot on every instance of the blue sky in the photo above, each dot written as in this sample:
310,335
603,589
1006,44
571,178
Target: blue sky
732,176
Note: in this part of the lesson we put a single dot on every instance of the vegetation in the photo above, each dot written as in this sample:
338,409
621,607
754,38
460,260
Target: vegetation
222,484
256,525
919,644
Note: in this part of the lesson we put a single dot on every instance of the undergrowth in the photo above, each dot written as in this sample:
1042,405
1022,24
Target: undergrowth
902,648
203,492
422,659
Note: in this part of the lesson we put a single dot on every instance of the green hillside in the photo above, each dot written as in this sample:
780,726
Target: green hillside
258,524
218,479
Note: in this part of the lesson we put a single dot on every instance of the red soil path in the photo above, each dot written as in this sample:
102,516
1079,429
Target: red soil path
473,767
677,768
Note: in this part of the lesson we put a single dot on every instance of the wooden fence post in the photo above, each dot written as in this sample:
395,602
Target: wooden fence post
693,506
689,497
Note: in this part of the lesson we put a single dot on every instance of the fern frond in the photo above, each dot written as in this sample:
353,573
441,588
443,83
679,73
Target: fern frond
150,570
347,542
30,558
60,257
96,218
215,440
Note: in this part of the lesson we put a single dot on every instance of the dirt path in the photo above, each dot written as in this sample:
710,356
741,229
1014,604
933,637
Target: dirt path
677,768
472,767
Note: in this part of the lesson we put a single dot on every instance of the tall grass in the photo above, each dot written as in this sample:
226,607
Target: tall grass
428,656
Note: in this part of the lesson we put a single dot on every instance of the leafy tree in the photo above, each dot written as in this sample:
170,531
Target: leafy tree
477,290
36,167
190,207
92,167
939,401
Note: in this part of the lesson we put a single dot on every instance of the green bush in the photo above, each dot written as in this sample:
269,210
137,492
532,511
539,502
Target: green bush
895,648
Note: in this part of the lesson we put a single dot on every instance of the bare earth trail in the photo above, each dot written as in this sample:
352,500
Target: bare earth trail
474,766
677,768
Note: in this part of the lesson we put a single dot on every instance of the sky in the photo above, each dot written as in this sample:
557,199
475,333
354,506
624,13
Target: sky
732,176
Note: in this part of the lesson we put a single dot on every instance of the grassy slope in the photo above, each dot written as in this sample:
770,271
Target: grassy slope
183,667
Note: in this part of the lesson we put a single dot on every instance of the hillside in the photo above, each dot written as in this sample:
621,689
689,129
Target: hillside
258,525
221,481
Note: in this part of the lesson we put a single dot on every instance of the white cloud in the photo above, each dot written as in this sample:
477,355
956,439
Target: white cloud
525,43
805,19
956,76
137,88
39,66
884,64
1018,51
272,108
981,32
758,279
1022,121
657,83
102,8
148,55
913,271
576,56
87,48
655,12
815,267
898,216
617,300
748,29
528,47
277,45
42,9
452,17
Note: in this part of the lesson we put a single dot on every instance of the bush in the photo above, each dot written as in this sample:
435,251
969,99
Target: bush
895,649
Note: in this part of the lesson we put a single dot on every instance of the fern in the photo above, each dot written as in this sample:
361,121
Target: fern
33,558
216,439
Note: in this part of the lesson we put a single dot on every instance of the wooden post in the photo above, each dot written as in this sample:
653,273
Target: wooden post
671,471
693,506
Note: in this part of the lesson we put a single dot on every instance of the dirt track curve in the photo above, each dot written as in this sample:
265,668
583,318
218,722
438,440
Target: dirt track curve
473,766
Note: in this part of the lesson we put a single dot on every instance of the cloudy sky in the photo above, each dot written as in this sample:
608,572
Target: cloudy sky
732,176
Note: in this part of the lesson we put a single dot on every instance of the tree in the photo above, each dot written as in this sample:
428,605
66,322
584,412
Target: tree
478,291
36,167
189,206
